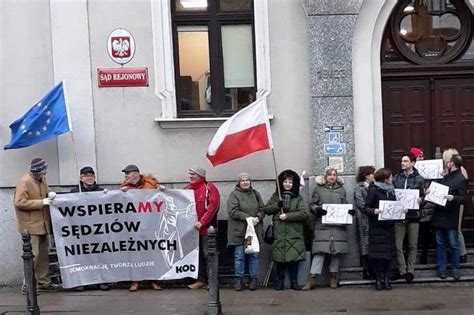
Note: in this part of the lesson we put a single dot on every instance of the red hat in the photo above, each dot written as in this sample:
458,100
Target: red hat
417,152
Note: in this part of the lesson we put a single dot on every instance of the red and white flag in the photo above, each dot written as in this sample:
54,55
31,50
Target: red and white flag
247,131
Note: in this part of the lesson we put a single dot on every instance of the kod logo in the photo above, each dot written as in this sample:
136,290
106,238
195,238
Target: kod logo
185,268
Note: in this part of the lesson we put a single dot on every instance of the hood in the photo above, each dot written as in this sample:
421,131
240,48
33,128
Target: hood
320,181
296,181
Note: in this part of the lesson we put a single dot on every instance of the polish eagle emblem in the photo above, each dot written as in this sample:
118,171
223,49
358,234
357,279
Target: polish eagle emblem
121,47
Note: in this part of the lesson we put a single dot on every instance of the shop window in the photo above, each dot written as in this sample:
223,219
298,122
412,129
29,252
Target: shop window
214,56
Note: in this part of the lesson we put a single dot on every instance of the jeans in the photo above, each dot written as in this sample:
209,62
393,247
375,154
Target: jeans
239,262
444,238
203,247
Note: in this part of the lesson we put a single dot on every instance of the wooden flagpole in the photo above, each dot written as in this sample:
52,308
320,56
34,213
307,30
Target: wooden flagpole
76,160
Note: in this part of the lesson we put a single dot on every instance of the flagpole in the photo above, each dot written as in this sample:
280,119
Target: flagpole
76,160
276,176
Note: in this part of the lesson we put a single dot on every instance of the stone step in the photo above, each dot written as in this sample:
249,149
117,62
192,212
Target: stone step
464,278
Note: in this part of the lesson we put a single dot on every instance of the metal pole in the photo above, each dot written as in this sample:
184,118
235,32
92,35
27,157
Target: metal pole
32,307
214,305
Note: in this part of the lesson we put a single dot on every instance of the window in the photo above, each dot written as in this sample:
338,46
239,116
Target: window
214,56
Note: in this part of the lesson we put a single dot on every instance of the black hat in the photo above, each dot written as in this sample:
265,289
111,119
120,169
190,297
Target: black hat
87,170
131,168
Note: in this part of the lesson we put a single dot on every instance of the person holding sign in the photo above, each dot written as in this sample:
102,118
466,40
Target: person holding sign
289,218
331,239
135,180
381,232
446,218
408,178
207,200
32,212
244,202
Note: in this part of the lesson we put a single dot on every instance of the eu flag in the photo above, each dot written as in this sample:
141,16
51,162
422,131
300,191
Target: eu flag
45,120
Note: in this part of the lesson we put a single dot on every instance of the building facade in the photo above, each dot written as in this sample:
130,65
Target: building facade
321,66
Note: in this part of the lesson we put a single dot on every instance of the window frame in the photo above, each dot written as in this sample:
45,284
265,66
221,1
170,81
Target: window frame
214,20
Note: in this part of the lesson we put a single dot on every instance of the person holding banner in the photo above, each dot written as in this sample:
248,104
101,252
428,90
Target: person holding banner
244,202
32,211
207,200
446,218
408,178
135,180
88,184
290,214
331,239
381,233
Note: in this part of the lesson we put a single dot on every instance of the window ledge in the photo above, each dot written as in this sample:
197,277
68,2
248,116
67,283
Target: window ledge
192,123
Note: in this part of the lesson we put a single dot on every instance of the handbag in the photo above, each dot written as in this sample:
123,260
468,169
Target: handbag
268,235
251,243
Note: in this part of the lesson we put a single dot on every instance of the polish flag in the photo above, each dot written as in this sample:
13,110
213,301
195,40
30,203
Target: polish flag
247,131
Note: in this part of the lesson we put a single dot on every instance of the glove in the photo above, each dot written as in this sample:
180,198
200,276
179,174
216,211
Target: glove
318,211
105,191
47,202
162,188
352,212
280,204
449,197
51,195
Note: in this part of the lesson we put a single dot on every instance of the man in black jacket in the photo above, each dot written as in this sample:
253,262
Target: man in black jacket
88,184
408,178
446,219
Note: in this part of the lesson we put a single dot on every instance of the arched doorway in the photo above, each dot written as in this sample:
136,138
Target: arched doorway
427,69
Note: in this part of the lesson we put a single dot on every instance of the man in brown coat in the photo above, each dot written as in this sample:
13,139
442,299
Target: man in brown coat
32,211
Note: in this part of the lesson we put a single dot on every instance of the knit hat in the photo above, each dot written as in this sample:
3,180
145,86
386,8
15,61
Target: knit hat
38,166
87,170
417,152
243,176
131,168
198,170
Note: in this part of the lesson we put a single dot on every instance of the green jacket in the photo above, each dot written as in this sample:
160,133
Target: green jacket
329,239
288,244
241,205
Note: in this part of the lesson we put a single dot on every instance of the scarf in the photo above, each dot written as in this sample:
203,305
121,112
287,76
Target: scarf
388,188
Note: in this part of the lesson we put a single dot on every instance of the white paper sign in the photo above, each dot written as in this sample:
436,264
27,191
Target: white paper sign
437,194
337,213
430,169
391,210
408,197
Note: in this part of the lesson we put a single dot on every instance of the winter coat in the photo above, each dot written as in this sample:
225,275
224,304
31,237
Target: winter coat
242,204
329,239
447,217
207,200
94,187
360,196
412,181
289,242
145,182
31,214
381,233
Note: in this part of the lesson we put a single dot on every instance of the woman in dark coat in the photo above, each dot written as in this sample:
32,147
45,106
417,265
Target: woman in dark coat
289,218
244,202
365,176
381,233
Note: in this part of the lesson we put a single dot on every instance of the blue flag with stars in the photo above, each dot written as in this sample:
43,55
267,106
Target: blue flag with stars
45,120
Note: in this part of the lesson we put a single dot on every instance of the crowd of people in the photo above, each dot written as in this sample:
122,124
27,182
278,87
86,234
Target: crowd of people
295,224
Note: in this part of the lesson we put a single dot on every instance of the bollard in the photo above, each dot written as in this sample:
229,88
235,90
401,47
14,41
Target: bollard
214,305
32,307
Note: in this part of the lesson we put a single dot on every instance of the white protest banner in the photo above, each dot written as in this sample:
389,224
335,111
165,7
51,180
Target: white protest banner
391,210
125,236
408,197
437,193
337,213
430,169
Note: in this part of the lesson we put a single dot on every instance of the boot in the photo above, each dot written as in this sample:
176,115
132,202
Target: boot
386,281
333,280
311,284
365,274
238,284
279,285
253,284
378,281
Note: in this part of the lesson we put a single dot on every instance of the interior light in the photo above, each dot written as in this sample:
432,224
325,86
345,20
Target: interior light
403,31
409,8
193,4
